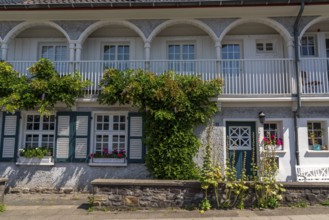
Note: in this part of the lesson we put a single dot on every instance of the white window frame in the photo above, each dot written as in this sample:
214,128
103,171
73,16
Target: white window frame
314,36
264,45
322,130
181,63
232,61
118,64
52,44
38,132
109,132
278,131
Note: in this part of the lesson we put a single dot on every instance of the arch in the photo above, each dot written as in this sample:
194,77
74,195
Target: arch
28,24
100,24
269,22
311,23
196,23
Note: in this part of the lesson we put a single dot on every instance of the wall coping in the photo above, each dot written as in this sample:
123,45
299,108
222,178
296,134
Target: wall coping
191,183
3,180
145,182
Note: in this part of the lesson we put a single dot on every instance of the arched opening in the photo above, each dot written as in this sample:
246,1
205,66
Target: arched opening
314,54
254,56
183,46
34,41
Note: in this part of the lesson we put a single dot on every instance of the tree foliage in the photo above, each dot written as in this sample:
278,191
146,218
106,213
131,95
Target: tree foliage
172,105
41,91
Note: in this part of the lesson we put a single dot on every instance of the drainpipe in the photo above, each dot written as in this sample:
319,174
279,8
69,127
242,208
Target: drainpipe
296,41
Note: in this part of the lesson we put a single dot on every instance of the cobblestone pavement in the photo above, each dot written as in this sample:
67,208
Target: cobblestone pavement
75,207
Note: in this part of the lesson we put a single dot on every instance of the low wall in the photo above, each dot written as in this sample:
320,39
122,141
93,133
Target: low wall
63,177
125,194
2,189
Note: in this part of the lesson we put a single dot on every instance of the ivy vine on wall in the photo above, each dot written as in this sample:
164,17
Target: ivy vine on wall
172,106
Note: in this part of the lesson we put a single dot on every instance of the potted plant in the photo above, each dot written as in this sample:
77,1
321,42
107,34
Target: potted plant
35,156
106,156
272,142
314,143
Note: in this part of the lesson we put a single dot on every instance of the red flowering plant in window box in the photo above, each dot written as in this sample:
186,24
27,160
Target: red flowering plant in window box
271,141
107,154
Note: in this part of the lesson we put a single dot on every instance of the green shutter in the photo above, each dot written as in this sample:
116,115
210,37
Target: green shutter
136,149
72,136
9,136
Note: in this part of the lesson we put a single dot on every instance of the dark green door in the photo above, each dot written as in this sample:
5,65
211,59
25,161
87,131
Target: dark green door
241,137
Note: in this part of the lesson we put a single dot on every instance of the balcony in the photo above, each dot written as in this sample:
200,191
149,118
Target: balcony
245,77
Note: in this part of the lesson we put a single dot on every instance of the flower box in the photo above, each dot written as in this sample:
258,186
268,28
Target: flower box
44,161
274,147
109,160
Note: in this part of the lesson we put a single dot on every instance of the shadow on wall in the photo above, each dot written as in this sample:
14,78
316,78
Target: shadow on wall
67,175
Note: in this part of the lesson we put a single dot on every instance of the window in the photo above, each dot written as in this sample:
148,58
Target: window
110,132
116,56
39,131
273,135
308,47
264,47
231,53
56,53
180,56
315,135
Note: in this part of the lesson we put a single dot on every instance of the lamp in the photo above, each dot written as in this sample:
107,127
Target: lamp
261,116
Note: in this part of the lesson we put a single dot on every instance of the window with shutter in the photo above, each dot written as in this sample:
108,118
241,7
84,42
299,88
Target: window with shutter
9,136
136,150
72,136
110,134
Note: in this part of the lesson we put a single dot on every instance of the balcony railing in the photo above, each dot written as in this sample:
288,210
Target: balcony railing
314,76
241,77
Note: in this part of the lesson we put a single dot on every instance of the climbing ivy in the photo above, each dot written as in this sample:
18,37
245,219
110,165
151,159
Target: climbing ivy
172,106
42,91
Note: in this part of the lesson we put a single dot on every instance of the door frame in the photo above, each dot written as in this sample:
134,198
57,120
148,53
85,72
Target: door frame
253,143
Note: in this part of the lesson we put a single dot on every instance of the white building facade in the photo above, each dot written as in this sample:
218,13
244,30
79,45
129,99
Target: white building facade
267,64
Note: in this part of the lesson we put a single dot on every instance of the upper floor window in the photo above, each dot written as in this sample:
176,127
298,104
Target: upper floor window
54,52
116,56
264,47
110,133
180,56
308,47
231,53
39,131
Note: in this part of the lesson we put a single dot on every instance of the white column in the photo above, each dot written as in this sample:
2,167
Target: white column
78,52
290,47
147,48
218,46
4,50
71,47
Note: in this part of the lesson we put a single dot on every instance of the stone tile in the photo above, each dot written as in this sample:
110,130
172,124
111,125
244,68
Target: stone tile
319,217
279,218
299,217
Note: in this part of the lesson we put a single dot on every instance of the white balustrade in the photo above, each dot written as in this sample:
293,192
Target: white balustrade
312,173
241,77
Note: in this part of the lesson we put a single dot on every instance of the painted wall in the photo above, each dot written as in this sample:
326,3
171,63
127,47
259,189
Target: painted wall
66,175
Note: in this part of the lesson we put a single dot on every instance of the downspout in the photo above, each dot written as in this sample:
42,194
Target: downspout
296,41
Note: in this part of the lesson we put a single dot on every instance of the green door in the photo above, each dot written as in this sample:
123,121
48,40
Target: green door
241,137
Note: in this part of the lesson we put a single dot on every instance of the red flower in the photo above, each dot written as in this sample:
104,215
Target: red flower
92,155
120,155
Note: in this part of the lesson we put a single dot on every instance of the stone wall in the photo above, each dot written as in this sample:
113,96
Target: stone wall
2,189
142,194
